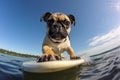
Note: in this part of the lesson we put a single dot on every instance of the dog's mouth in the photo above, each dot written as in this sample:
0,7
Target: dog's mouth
57,36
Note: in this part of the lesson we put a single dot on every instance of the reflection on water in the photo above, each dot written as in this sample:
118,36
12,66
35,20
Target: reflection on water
70,74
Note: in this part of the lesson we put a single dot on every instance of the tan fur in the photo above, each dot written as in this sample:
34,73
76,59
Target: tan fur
59,16
50,47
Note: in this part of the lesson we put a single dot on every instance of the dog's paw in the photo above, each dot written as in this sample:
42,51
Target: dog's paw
48,57
75,57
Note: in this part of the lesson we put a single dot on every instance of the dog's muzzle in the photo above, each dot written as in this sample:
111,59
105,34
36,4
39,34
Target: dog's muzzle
58,32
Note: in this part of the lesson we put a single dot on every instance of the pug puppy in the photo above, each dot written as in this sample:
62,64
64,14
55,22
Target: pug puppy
57,36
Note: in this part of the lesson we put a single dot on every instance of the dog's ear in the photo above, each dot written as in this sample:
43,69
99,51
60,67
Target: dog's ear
72,19
46,16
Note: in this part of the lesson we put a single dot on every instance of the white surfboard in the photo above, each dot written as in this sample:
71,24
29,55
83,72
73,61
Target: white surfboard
50,66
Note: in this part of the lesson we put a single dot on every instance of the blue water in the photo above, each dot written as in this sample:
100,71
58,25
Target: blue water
105,66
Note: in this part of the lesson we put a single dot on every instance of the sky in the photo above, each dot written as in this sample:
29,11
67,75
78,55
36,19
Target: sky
97,23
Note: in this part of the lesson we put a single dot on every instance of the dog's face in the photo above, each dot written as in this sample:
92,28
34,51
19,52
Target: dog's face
58,25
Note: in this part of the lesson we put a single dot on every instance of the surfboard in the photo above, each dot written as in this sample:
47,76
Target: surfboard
50,66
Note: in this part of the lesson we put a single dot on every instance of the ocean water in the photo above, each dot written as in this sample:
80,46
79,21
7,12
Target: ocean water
104,66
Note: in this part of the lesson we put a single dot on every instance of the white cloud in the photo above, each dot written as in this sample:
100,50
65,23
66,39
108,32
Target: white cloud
116,5
104,42
111,35
102,48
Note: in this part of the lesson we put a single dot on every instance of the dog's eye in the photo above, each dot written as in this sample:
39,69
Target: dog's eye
66,22
50,22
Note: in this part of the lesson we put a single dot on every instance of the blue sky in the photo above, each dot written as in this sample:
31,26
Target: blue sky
97,22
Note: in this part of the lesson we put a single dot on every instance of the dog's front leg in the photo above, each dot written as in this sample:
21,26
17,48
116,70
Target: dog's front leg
71,53
48,55
47,50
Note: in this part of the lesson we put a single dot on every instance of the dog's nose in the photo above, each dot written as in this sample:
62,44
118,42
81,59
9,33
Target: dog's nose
58,27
